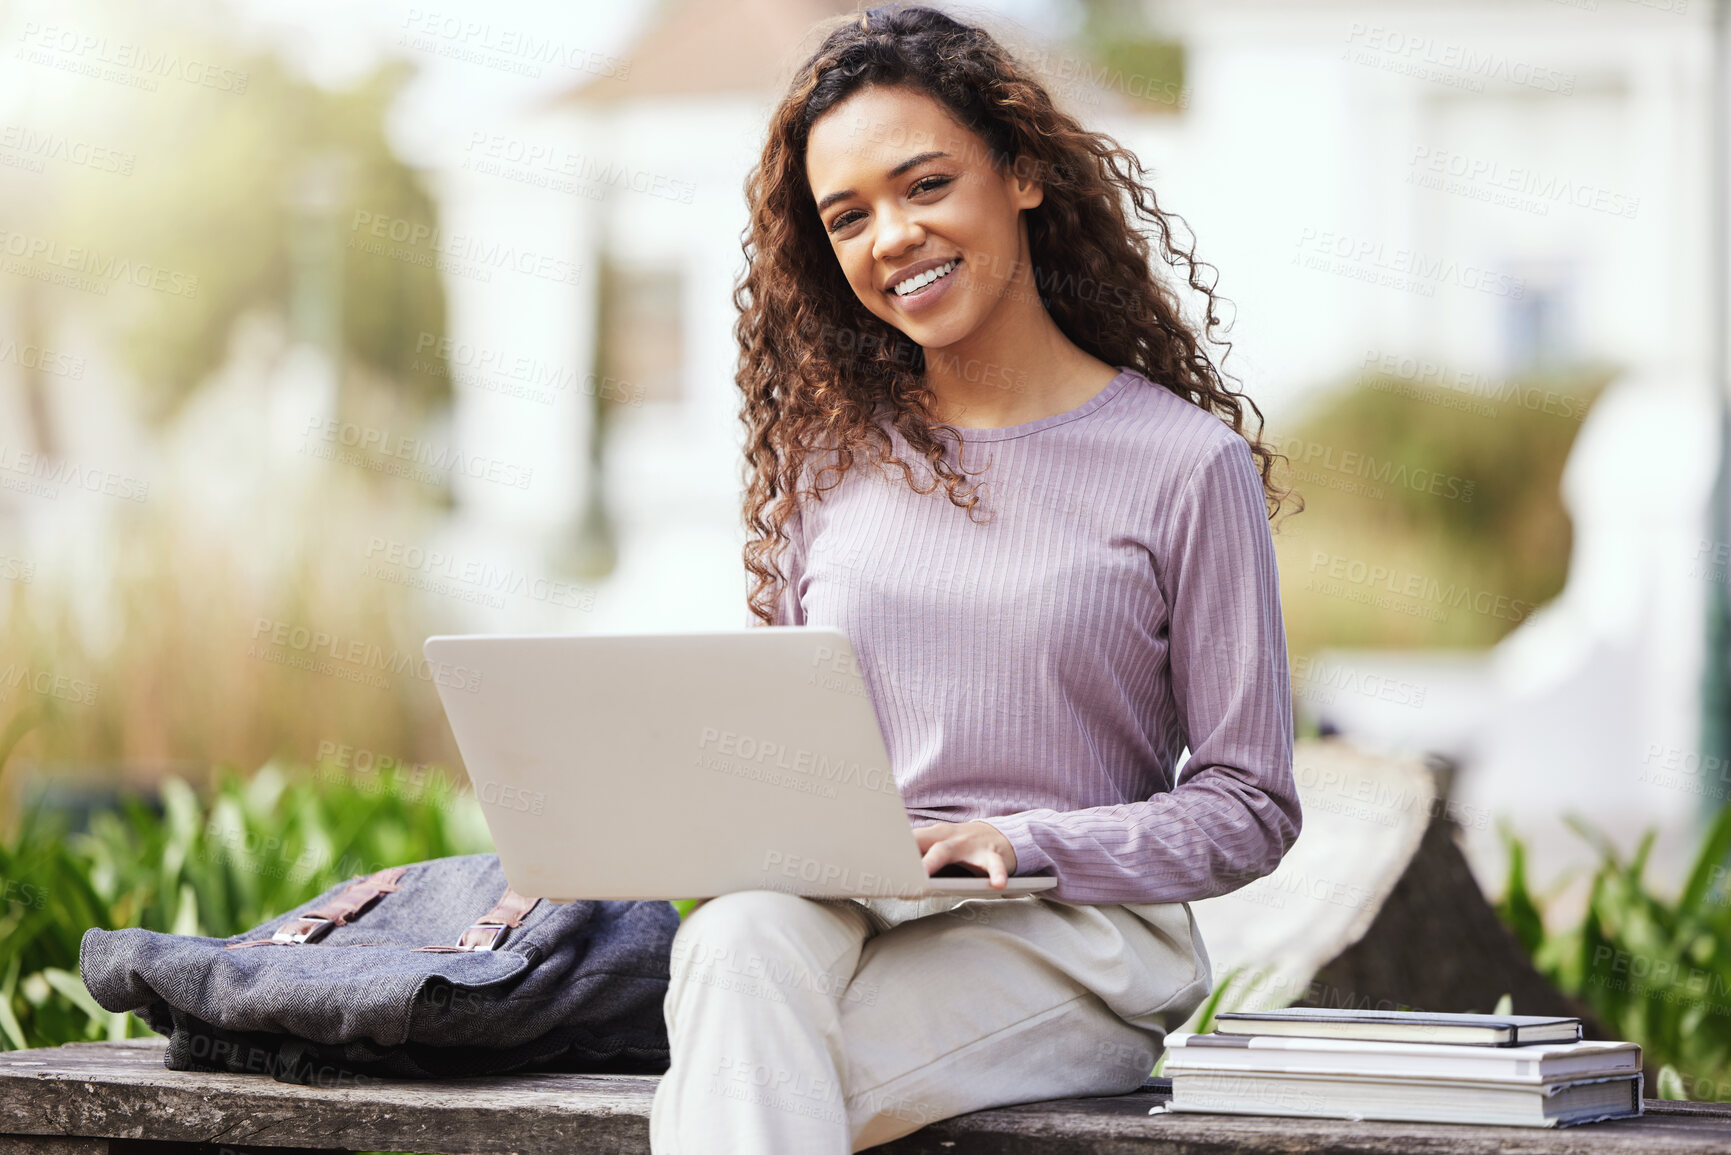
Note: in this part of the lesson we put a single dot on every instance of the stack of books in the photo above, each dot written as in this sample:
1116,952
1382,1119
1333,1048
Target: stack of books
1519,1070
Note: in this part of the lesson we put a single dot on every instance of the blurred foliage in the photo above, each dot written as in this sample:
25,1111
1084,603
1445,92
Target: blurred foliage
1652,970
1431,484
236,189
211,866
263,187
1139,63
179,666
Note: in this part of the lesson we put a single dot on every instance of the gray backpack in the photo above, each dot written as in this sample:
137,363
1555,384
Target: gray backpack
428,970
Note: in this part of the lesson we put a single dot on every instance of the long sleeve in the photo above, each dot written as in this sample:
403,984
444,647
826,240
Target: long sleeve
1234,811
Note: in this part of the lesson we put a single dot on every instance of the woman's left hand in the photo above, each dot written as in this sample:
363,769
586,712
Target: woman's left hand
980,846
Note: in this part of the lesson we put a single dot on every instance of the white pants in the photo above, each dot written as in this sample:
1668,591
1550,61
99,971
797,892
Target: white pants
816,1027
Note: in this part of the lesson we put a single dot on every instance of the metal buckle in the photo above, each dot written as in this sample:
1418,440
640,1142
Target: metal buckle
483,936
304,929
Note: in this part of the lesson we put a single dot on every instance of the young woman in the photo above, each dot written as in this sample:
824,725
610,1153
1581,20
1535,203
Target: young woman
985,442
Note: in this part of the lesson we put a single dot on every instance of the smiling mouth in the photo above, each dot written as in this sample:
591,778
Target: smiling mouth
915,284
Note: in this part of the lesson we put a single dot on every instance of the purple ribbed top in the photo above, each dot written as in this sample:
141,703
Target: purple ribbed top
1045,670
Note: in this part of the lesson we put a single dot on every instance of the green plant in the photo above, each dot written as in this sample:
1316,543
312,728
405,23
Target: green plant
1653,970
1518,909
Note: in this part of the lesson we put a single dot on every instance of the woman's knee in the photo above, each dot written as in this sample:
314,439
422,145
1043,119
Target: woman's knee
751,931
1122,1058
744,915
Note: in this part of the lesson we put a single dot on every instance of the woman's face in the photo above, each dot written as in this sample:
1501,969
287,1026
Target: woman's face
909,197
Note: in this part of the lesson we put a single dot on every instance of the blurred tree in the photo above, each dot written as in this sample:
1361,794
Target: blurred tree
1139,63
223,195
241,185
1462,491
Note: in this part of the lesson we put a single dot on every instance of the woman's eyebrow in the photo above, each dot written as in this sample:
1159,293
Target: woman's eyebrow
904,166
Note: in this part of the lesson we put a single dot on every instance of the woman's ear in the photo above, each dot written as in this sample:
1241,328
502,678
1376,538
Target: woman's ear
1025,188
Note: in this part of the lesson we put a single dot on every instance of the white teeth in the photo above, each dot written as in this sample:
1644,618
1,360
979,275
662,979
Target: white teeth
914,284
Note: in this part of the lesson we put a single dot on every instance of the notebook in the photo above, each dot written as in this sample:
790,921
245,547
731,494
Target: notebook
1402,1026
1555,1103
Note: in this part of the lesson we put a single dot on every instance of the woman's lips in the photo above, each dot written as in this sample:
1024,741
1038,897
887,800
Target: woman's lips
924,298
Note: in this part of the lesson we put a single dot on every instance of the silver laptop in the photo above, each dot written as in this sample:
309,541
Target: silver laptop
684,766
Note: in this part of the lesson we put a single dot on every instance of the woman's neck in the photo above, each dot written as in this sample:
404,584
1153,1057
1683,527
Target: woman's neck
1018,366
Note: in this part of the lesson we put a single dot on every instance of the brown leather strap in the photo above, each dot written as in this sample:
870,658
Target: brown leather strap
349,904
488,931
359,897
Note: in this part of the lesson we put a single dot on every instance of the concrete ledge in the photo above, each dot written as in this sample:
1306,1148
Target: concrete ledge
118,1099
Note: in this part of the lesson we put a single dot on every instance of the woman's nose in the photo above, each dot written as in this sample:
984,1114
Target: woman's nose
897,233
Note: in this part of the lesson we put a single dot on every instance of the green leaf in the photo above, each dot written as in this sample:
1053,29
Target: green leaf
1707,876
1205,1022
9,1021
1517,909
186,915
1596,839
71,987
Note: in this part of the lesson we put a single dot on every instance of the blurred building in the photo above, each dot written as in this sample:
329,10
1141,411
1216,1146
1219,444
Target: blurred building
639,173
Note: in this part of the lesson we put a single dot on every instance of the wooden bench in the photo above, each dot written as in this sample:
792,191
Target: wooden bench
90,1098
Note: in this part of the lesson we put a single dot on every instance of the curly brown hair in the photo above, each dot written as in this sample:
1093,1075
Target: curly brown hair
818,370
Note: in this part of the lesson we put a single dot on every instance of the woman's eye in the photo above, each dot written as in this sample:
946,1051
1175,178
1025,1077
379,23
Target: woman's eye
843,220
929,183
